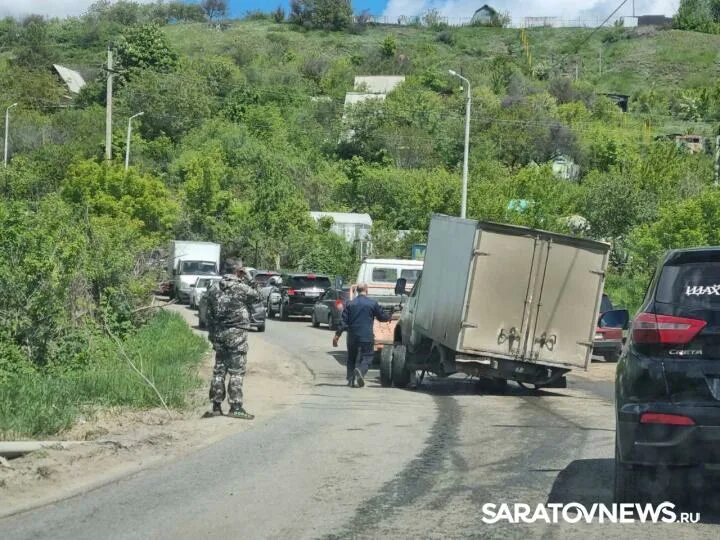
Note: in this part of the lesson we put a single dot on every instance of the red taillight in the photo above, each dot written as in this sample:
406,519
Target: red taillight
291,292
650,328
667,419
339,305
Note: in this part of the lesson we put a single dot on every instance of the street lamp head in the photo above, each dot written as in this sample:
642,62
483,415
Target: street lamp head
452,72
13,105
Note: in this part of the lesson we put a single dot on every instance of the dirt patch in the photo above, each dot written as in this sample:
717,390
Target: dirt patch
120,442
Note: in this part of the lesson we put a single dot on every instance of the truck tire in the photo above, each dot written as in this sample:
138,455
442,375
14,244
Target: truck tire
284,315
400,373
270,312
261,327
386,361
315,322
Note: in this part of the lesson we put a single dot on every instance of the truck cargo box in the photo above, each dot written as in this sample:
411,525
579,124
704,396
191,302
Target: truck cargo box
506,292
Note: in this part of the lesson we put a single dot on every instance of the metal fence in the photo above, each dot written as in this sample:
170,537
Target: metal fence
521,22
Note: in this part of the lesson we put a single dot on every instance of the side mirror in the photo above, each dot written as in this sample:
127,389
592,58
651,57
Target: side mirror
400,286
618,318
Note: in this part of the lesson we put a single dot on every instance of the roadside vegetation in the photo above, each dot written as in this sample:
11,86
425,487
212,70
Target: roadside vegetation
244,131
37,403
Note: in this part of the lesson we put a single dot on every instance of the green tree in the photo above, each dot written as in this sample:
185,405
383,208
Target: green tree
145,47
325,14
109,190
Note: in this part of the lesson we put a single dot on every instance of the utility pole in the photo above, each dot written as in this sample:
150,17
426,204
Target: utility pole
108,106
7,130
129,132
468,102
601,60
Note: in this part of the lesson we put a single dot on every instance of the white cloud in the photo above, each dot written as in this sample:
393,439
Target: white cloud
48,8
566,9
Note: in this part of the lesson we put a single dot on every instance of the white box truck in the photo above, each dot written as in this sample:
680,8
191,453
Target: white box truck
501,302
188,261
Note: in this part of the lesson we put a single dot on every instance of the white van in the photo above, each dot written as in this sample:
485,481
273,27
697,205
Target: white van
381,274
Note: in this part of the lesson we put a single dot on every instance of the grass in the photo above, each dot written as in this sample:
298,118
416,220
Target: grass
165,350
631,62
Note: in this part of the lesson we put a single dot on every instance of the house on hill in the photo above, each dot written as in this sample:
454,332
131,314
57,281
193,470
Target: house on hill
486,15
72,80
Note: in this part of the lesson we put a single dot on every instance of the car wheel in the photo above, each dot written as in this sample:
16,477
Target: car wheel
612,357
261,327
284,315
315,322
400,373
633,484
330,323
386,357
270,312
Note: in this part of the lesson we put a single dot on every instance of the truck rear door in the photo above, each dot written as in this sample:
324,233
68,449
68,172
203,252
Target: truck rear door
501,281
567,298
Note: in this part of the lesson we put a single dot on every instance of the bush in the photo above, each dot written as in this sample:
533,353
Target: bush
44,403
447,37
388,47
279,14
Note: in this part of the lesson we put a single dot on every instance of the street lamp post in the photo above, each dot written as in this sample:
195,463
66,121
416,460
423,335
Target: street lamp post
129,132
7,131
468,101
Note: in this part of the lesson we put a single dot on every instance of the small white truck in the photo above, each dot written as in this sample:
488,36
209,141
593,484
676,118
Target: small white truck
499,302
188,261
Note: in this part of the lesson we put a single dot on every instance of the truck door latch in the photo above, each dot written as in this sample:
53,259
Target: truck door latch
547,341
511,336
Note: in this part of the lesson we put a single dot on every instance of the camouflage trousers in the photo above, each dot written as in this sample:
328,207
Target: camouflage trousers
231,349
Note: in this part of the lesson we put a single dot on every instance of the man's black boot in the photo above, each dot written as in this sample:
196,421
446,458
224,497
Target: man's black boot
236,411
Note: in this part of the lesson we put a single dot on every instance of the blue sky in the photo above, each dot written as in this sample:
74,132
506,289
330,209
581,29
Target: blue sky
567,9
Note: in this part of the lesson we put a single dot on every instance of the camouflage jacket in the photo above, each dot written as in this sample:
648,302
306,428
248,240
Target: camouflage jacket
228,303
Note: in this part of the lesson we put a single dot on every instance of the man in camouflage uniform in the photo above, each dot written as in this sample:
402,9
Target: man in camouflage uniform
228,323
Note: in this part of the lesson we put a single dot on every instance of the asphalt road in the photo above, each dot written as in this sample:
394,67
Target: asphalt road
372,463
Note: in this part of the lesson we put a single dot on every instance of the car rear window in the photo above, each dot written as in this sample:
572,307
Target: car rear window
605,304
384,275
309,282
695,284
262,278
411,274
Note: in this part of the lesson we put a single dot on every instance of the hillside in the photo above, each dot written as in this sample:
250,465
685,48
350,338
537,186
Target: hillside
244,131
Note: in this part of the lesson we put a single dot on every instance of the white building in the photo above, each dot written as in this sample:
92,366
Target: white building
378,84
352,227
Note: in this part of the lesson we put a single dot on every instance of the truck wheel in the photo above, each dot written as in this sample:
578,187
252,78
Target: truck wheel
270,312
284,315
400,373
261,327
386,361
331,323
315,322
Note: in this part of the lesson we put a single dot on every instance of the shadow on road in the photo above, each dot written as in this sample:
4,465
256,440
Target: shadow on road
590,481
585,481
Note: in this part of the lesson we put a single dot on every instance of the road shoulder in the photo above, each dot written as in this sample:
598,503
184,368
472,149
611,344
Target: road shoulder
119,442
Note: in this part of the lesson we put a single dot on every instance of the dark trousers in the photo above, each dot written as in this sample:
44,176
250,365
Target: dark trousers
365,350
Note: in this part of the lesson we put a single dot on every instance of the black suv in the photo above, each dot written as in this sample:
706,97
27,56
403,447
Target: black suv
667,386
299,292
